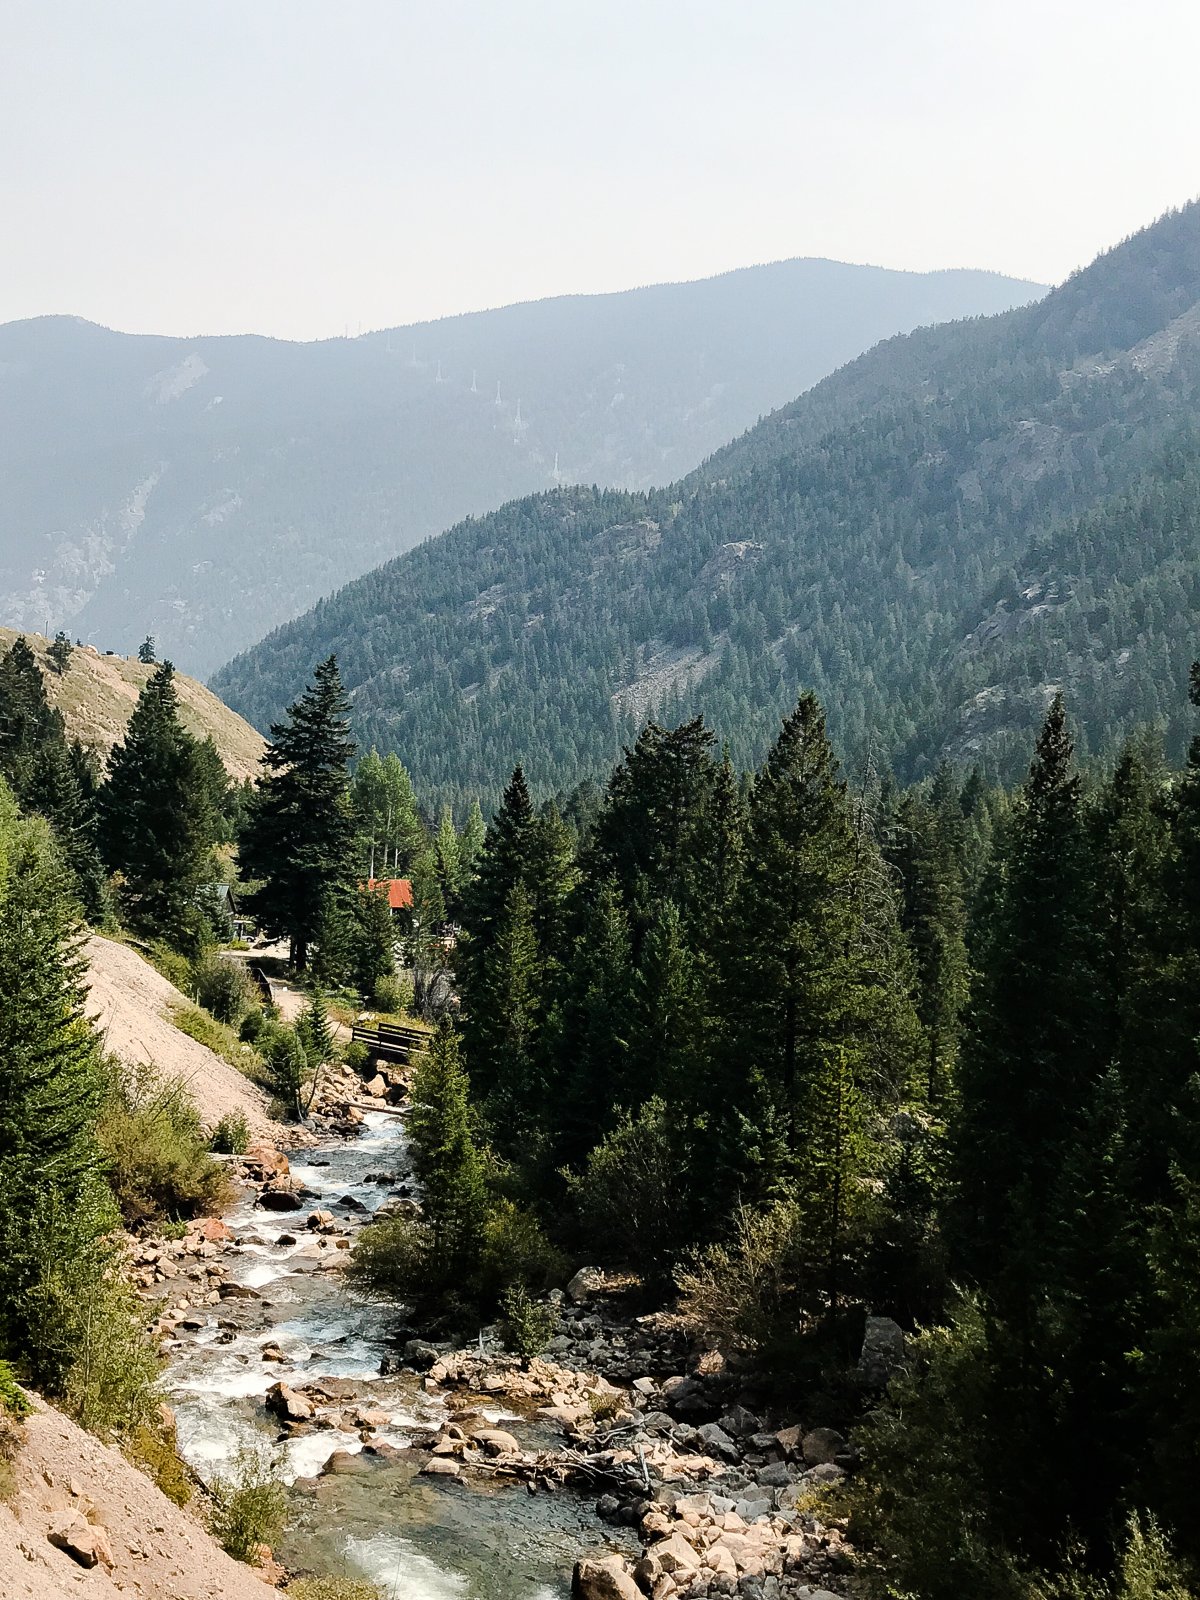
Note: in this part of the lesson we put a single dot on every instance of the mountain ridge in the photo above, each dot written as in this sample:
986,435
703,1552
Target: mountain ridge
857,533
205,489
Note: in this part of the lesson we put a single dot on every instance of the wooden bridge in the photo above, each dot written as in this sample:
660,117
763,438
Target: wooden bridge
391,1041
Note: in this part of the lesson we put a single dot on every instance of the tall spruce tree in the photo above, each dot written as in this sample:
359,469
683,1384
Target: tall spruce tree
446,1158
298,838
805,980
157,821
50,1087
1029,1058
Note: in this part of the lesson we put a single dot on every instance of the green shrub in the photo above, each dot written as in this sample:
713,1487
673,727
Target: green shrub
286,1067
14,1408
173,1230
393,1257
159,1165
604,1406
528,1326
219,1038
157,1454
13,1401
231,1136
356,1056
331,1588
744,1290
249,1509
175,968
515,1253
252,1026
85,1333
224,988
392,995
630,1200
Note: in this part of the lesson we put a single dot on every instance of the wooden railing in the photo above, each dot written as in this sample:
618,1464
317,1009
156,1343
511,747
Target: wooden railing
391,1041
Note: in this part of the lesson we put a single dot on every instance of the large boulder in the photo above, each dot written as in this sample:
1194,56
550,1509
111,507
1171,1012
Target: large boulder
603,1578
286,1403
280,1197
85,1542
821,1446
266,1161
584,1284
883,1349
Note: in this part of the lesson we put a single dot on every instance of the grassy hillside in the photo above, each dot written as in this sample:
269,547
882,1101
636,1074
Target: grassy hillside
96,694
855,542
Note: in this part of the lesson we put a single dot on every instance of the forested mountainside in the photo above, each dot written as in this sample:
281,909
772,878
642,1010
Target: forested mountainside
932,539
206,489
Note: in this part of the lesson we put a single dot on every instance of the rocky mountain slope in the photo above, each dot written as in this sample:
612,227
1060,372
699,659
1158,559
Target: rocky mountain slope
206,489
873,540
85,1522
96,694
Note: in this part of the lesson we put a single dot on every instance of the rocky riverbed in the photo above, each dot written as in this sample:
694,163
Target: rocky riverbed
621,1464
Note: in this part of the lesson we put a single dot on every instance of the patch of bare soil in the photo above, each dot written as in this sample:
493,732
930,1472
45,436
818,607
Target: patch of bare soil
67,1479
130,1002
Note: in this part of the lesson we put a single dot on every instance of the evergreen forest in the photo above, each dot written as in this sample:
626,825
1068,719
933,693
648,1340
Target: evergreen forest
936,540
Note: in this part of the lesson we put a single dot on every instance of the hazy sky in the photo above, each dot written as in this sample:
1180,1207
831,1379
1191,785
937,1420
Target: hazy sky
297,166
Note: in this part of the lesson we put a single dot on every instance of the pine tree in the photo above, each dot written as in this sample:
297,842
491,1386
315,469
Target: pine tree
157,823
667,1017
50,1085
591,1026
27,719
59,652
54,790
449,863
922,847
446,1160
470,846
372,941
148,651
507,1059
804,976
1028,1059
298,838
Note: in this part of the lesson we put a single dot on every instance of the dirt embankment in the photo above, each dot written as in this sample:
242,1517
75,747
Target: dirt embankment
66,1478
131,1004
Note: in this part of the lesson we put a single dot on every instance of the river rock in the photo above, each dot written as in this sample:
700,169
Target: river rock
821,1445
441,1467
717,1442
343,1462
883,1350
281,1199
603,1578
212,1230
417,1353
238,1291
286,1403
496,1441
740,1423
584,1284
267,1161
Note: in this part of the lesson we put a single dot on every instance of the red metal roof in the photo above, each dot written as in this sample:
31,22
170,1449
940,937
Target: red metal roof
399,891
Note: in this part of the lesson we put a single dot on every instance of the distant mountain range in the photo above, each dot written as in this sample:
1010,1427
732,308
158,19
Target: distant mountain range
203,490
935,539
